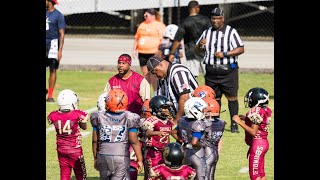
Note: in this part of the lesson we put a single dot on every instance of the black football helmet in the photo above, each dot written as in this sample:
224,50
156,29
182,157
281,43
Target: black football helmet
256,97
173,155
158,102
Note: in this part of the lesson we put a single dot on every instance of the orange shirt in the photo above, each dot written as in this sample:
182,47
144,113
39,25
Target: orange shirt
149,36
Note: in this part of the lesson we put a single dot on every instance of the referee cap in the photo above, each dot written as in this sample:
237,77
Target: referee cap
217,12
153,62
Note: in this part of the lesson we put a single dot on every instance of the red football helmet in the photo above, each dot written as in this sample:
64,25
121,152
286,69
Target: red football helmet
146,111
116,101
213,108
204,91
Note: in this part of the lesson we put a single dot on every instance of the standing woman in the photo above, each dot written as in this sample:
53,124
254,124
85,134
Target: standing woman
148,37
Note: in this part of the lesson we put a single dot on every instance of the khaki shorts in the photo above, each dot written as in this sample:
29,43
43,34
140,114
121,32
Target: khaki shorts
196,66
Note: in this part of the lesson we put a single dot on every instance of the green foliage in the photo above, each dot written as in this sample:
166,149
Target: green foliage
90,84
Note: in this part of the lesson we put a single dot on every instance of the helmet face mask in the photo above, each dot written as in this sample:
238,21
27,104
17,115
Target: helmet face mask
67,100
160,106
213,109
173,155
194,108
256,97
146,111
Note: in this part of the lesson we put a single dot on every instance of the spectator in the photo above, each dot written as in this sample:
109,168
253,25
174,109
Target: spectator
176,82
55,28
132,83
256,125
67,121
190,30
148,37
166,45
113,131
222,45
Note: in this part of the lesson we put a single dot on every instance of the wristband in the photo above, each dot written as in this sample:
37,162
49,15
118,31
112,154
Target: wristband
225,54
172,53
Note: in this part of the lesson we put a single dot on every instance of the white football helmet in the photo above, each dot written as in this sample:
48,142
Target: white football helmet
170,31
67,100
101,103
194,108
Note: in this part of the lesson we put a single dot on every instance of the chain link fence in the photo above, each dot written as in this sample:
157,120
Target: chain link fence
252,19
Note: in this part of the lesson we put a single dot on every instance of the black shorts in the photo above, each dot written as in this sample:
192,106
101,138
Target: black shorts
143,58
52,63
222,81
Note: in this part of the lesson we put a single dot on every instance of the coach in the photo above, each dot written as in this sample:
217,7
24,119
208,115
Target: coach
222,45
175,81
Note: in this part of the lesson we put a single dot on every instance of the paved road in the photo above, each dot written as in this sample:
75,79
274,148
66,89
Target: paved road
102,54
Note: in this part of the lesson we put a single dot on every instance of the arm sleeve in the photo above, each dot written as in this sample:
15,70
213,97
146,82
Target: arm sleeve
144,90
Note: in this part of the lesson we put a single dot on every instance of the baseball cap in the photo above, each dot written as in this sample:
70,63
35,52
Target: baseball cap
153,62
193,4
55,1
217,12
125,58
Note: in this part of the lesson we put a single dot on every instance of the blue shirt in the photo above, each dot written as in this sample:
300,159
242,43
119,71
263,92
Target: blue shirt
54,21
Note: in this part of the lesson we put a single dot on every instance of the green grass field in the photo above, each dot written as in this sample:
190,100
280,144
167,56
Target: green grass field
90,84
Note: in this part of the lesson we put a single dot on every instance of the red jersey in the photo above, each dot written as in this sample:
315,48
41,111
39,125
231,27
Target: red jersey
67,127
164,172
155,124
263,116
131,87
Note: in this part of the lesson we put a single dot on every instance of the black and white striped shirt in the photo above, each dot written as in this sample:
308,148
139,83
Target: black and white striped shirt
179,80
223,40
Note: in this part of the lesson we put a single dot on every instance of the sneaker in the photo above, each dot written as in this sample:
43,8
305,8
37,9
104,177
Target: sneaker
50,100
234,128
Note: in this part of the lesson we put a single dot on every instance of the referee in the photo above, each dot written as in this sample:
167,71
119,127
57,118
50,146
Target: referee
175,81
222,45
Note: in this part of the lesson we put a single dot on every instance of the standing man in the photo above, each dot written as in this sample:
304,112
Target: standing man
132,83
190,30
55,28
222,45
175,81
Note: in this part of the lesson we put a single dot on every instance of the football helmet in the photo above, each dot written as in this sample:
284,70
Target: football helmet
101,103
67,100
213,108
256,97
116,101
170,31
204,91
146,111
157,103
173,155
194,108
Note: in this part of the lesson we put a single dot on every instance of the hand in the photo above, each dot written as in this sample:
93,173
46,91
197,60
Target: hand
95,165
242,117
134,54
140,166
218,54
236,119
171,57
161,133
203,42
